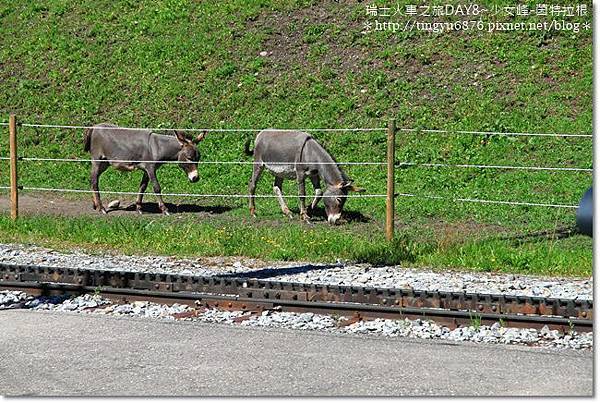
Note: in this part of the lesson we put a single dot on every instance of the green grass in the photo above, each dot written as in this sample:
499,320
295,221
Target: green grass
197,64
292,241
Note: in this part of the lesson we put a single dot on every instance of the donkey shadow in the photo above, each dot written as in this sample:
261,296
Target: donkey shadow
349,216
270,272
544,235
152,208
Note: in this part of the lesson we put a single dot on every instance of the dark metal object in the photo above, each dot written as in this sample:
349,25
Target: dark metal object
585,213
449,308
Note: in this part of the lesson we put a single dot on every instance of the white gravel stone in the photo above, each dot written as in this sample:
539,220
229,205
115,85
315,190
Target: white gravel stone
12,299
123,309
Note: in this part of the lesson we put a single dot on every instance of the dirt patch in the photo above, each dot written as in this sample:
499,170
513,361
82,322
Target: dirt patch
295,33
354,221
56,205
332,34
326,42
32,204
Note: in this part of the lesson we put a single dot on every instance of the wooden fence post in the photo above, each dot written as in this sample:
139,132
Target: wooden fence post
389,202
14,192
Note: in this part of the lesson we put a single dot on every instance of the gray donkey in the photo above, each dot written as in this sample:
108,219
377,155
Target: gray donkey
297,155
110,145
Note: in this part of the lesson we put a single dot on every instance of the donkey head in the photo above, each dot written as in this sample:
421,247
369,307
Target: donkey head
188,156
334,198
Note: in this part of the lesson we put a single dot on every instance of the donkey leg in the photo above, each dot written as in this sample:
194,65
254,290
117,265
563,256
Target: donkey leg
140,196
318,192
156,188
277,189
301,178
97,169
256,172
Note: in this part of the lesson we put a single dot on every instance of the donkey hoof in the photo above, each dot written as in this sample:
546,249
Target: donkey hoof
166,212
114,205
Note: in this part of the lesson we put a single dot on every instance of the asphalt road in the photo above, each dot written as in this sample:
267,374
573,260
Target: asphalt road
45,353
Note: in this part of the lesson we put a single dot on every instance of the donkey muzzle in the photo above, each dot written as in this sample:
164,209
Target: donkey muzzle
193,176
334,218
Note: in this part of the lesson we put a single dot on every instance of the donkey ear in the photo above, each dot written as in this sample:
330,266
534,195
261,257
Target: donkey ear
358,190
200,137
181,138
350,186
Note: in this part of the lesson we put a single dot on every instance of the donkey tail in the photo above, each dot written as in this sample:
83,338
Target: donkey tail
247,149
87,139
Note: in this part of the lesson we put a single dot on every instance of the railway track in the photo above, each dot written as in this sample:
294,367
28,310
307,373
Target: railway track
238,293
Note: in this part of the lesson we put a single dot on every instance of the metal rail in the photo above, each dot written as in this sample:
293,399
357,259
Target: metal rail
240,293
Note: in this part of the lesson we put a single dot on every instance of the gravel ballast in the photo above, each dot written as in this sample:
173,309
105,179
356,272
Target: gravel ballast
422,329
340,274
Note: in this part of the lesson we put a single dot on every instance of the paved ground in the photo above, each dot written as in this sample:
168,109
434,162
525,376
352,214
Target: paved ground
44,353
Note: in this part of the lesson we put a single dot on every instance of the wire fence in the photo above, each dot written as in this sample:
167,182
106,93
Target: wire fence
490,133
188,162
239,196
354,129
398,165
468,200
478,166
223,130
196,195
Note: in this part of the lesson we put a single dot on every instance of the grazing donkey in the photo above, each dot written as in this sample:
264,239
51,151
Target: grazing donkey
296,155
110,145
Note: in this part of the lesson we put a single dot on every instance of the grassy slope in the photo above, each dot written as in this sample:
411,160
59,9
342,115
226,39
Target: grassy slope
197,64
